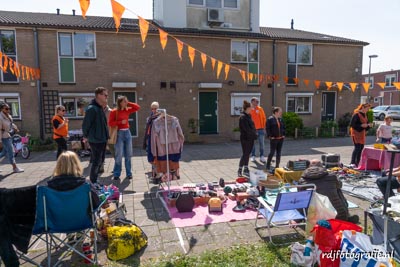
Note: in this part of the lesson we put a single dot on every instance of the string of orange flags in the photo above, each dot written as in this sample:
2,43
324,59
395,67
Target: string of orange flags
118,10
8,64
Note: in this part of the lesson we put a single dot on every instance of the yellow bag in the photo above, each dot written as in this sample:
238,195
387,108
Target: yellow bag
124,241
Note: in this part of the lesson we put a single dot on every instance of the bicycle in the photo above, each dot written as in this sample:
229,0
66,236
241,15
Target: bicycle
20,144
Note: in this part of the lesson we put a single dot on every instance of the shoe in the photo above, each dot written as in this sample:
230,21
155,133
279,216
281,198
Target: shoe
18,170
353,219
101,170
352,166
246,172
115,178
252,159
129,177
240,173
262,159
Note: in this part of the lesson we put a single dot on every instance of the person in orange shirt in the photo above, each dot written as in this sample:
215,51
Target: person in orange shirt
119,117
259,119
60,129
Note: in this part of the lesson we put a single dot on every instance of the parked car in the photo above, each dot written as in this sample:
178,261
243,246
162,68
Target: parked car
380,112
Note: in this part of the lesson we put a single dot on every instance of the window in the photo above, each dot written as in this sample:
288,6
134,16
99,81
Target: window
231,3
237,101
196,2
246,52
300,103
371,86
389,80
13,100
71,46
8,47
297,54
75,104
215,3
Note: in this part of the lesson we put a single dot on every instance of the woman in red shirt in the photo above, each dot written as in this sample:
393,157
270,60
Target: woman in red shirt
119,117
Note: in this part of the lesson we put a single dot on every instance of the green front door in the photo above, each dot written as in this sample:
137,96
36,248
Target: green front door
133,117
208,112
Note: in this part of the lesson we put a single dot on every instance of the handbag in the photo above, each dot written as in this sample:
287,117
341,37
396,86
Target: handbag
113,132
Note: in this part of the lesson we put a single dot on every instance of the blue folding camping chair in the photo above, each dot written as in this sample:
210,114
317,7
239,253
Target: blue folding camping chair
64,212
286,208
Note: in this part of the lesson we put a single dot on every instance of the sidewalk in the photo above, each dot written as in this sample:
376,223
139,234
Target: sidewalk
200,163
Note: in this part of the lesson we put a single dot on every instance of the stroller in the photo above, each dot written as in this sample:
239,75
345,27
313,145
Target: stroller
76,143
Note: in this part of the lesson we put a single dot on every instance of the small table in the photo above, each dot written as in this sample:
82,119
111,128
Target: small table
376,159
288,176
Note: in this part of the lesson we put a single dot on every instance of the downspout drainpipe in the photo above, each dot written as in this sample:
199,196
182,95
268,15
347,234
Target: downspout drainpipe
38,83
273,71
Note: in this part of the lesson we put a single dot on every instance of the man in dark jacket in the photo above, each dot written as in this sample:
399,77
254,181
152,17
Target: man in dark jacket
95,130
276,134
328,185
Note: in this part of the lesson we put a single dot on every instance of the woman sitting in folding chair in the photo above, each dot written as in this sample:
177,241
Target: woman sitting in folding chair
67,176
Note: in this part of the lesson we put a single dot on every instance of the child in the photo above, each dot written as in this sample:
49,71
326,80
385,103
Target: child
384,131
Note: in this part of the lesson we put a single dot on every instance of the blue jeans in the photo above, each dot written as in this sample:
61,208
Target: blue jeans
260,139
123,147
385,140
8,150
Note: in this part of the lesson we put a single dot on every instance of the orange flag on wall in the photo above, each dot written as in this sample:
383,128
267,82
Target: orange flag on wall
27,72
251,76
84,7
317,84
227,67
340,86
366,87
243,74
353,86
163,38
296,80
144,29
286,79
117,11
22,68
203,60
219,68
328,85
306,82
179,45
213,63
397,85
11,65
192,53
381,85
5,63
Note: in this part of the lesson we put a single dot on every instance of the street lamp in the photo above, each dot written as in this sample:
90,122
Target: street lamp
369,74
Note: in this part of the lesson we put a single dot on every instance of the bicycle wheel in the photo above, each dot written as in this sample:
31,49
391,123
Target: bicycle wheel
25,152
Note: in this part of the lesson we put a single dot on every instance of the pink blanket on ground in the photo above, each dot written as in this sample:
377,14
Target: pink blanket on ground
201,216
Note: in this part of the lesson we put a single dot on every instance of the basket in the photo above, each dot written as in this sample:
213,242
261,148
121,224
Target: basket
272,182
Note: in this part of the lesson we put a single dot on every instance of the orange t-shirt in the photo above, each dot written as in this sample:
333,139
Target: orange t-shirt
258,117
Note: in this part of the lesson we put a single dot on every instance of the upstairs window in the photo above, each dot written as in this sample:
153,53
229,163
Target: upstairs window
246,52
8,47
215,3
371,81
297,54
389,80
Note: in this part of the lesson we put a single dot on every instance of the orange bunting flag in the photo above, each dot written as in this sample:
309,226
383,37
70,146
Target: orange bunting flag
11,65
163,38
219,68
117,11
340,86
16,69
381,85
179,45
306,82
27,72
296,80
84,7
276,78
286,79
397,85
1,60
192,53
366,87
5,63
227,67
328,85
251,76
203,60
317,83
144,28
353,86
243,74
213,63
261,78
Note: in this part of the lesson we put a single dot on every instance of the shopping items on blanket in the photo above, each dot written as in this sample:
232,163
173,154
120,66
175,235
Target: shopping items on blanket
298,165
185,202
256,176
320,208
215,205
330,160
303,255
124,241
363,253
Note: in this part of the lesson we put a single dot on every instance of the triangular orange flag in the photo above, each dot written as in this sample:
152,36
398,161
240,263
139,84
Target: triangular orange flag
381,85
243,74
276,78
179,45
286,79
117,11
11,65
317,83
5,63
306,82
28,77
397,85
1,60
260,78
163,38
366,87
84,7
353,86
219,68
340,86
16,69
144,28
22,67
296,80
203,60
251,76
213,63
192,53
328,85
227,67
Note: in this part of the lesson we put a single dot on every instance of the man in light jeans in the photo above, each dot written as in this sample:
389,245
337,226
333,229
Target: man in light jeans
259,119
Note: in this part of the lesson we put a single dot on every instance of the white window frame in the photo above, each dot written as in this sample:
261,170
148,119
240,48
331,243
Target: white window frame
295,95
247,62
371,85
237,101
75,96
16,56
296,63
222,5
390,76
4,96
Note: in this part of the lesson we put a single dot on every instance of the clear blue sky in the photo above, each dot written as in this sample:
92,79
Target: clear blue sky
375,22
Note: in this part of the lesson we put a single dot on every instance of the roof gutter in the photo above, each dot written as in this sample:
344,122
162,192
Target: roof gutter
38,83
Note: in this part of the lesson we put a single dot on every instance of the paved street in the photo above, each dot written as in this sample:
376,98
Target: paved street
200,163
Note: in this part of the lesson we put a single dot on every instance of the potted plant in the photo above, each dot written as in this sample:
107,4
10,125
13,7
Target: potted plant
192,136
236,134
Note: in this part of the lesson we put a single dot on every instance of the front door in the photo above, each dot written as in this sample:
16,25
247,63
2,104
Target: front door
328,106
208,112
133,117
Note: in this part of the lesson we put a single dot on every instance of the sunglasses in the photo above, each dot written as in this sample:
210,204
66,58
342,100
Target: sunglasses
6,108
62,110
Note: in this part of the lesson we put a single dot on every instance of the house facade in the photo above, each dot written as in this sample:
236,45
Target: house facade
76,55
388,95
